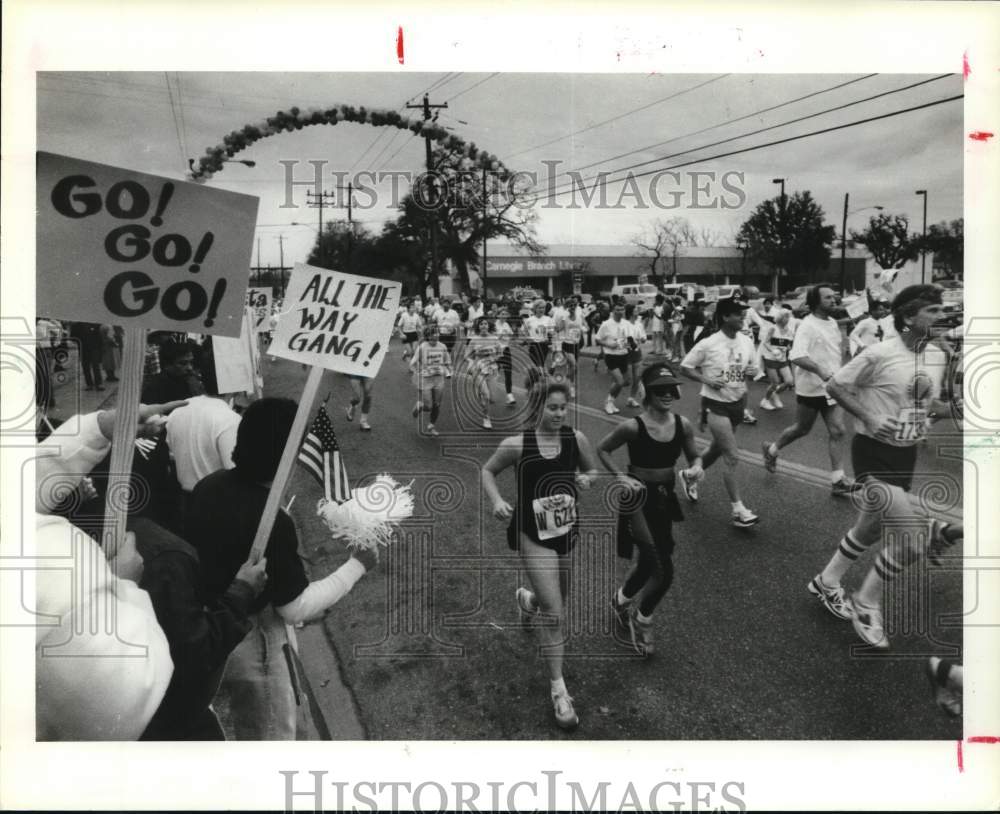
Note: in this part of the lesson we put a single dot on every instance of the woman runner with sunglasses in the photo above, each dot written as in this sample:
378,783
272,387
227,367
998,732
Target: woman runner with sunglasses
655,439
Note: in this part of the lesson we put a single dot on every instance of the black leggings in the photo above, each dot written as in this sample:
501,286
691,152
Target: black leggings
504,363
650,529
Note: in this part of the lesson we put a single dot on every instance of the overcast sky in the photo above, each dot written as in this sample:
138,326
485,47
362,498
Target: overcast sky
154,122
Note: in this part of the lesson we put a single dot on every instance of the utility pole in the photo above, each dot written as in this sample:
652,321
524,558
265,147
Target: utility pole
281,262
843,249
350,218
258,260
781,232
485,216
426,107
923,242
317,200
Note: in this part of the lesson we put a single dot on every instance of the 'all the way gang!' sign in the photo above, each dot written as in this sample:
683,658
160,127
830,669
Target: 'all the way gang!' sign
138,250
337,321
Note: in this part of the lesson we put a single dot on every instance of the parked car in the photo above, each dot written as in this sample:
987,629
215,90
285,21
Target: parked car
640,295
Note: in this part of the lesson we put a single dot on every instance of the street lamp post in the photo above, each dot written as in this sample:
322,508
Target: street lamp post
923,242
781,231
843,241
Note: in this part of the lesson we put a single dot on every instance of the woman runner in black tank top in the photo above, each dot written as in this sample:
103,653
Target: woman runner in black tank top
648,505
550,462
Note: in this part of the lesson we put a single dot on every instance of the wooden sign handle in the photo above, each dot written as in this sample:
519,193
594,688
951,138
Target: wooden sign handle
287,463
123,443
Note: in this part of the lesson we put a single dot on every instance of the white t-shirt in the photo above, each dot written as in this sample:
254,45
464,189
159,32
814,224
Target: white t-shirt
720,357
410,323
775,341
504,333
637,332
891,381
613,337
537,329
201,437
448,322
571,329
819,340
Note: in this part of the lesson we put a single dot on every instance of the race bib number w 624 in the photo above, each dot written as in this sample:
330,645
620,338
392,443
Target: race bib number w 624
912,425
554,516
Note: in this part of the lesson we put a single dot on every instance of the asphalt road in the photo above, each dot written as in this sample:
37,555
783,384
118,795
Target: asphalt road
431,647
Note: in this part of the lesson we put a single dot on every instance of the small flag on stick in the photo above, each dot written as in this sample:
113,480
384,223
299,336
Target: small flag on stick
320,455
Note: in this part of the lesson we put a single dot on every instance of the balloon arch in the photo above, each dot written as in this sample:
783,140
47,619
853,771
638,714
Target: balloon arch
295,119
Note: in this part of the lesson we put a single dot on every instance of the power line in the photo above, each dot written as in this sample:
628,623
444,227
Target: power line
753,148
752,115
764,129
619,116
471,87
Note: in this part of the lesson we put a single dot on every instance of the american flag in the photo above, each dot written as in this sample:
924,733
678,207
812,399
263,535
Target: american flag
320,454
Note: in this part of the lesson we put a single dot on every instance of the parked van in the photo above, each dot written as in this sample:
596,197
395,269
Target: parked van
642,295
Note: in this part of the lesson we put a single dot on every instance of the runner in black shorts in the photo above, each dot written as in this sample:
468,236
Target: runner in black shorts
550,463
655,440
892,389
722,363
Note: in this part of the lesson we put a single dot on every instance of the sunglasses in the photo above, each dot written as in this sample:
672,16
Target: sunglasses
664,390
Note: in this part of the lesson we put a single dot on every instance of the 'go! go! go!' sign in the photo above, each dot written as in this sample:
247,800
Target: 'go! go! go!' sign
334,320
138,250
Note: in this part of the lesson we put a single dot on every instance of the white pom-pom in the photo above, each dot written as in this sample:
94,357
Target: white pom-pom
368,518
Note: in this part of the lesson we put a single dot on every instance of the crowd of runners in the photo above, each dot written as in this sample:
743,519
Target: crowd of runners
892,375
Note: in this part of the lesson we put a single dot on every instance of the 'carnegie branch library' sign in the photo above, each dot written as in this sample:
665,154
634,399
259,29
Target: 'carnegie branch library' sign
529,265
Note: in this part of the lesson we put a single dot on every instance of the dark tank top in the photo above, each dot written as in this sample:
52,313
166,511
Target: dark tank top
647,452
539,477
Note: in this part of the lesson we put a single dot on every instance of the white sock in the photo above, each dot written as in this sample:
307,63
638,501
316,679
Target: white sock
621,599
643,619
364,417
558,686
739,507
772,450
836,475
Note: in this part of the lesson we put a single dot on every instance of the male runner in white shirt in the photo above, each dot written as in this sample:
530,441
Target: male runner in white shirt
892,389
817,352
722,363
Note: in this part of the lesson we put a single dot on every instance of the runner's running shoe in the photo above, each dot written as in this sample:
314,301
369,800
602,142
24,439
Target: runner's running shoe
609,406
562,706
937,541
487,424
765,404
690,484
431,431
844,487
749,418
642,634
511,399
945,696
868,625
633,403
833,599
770,461
620,613
777,402
744,518
365,426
